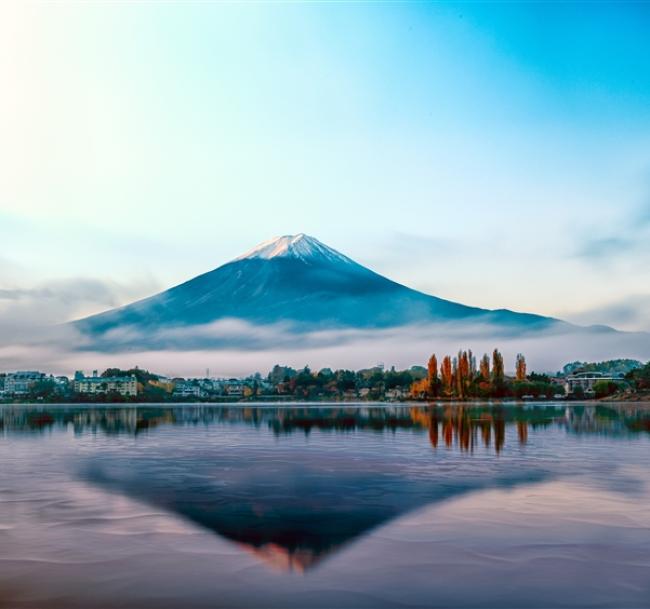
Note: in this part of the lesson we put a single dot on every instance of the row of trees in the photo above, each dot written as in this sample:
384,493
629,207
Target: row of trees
372,383
460,377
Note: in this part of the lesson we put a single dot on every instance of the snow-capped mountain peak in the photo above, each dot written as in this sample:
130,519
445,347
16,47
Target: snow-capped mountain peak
294,280
300,246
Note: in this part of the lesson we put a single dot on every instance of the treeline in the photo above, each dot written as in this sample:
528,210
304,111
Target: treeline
462,377
370,383
612,366
640,378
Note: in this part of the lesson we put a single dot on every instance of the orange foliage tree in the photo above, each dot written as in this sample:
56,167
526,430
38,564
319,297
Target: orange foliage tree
446,375
484,367
520,370
432,377
419,388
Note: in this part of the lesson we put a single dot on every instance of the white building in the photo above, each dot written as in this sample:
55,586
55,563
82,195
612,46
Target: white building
398,393
93,385
587,380
19,383
188,389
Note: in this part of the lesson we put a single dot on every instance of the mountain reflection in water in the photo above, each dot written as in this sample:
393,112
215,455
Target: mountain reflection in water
453,424
293,507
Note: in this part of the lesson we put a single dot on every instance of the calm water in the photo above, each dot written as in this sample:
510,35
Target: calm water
342,506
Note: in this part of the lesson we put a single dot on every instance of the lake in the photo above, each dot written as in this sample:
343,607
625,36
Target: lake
343,505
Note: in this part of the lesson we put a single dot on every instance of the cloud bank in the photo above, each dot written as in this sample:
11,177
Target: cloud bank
33,335
232,347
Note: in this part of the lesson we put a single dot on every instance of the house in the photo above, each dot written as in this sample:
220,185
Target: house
397,393
95,384
19,383
211,386
233,388
587,380
188,389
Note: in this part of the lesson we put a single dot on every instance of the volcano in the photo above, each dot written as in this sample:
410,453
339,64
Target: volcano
297,280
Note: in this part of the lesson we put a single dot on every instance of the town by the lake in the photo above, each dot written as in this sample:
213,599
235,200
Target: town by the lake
459,377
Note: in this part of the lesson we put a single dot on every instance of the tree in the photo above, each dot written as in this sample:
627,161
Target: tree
578,393
520,368
497,367
604,388
446,375
463,373
539,377
281,374
420,388
641,377
556,389
499,388
142,376
432,375
154,393
43,388
346,380
472,364
484,367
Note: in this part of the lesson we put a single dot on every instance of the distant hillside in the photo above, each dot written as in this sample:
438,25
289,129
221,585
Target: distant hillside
613,367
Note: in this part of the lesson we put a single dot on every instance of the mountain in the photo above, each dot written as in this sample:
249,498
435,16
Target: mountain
296,280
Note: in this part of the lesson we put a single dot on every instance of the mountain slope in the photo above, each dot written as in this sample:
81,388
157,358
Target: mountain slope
298,280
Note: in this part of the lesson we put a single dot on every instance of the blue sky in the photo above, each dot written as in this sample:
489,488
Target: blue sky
497,154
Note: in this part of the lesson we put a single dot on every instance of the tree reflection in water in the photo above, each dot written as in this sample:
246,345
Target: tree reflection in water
460,425
292,503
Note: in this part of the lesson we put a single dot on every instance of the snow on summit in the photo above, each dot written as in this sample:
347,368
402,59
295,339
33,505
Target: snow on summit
294,280
300,246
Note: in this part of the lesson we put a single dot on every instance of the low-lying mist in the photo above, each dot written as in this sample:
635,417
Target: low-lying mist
233,348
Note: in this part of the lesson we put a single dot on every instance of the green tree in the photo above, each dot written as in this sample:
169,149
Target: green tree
640,378
578,393
604,388
45,389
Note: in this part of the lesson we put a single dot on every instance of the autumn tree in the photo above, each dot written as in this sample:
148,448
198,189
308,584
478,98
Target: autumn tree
497,367
498,374
484,367
432,376
520,369
463,374
446,375
419,388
